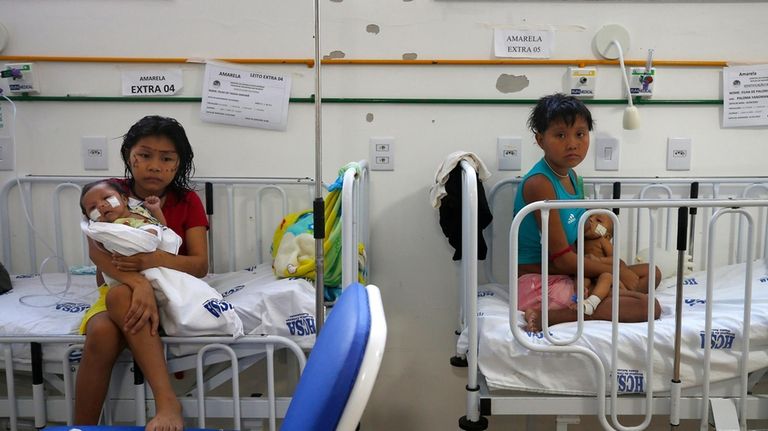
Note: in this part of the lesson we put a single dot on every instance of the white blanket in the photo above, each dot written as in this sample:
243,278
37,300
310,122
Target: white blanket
127,240
188,306
508,365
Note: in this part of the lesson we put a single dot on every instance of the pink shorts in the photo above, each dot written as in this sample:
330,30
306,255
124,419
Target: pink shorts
561,291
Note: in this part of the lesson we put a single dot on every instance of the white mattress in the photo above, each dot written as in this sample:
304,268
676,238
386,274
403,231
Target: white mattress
266,305
507,365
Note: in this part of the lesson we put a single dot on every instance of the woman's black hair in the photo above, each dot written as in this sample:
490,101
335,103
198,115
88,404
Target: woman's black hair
155,125
557,106
112,183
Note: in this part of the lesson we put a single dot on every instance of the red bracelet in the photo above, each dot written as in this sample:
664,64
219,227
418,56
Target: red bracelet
554,256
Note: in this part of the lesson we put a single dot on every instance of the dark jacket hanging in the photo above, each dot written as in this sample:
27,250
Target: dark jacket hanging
450,214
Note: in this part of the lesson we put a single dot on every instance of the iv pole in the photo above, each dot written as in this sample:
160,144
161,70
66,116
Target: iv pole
318,205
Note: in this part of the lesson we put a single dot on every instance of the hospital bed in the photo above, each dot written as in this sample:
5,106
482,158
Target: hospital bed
40,315
590,368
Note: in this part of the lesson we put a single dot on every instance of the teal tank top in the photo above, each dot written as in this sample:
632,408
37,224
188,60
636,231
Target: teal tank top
529,238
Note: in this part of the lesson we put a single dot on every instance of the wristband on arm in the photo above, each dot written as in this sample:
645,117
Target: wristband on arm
554,256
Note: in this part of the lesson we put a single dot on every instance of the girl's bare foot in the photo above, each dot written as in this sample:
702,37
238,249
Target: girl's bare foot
167,418
533,320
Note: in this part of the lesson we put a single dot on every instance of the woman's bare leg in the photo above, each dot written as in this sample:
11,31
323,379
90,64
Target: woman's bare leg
633,308
103,343
147,350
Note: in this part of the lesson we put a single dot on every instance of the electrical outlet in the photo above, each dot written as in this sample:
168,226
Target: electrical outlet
582,81
679,154
95,153
7,159
20,78
606,154
509,152
382,154
641,81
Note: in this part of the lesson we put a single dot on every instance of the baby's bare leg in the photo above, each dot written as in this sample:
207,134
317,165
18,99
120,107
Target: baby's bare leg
603,285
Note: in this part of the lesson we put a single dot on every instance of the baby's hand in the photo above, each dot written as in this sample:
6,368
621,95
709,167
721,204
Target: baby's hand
152,202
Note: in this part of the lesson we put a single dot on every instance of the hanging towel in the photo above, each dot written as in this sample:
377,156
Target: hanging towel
437,191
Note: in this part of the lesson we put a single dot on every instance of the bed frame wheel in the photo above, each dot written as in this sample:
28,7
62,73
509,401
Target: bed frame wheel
459,361
480,425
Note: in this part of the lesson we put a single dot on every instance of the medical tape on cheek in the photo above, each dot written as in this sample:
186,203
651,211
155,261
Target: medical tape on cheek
601,230
94,215
113,201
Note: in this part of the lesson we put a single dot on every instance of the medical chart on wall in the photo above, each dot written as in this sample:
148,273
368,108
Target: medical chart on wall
152,82
745,96
245,97
523,43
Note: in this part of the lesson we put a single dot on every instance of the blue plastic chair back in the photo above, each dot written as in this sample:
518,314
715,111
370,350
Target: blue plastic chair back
333,365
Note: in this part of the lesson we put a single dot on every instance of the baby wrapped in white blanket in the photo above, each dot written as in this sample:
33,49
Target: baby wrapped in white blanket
188,306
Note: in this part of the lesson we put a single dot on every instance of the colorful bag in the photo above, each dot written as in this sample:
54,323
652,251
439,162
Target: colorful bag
293,245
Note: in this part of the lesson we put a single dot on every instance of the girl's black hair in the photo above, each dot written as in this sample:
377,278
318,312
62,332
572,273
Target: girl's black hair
557,106
111,182
155,125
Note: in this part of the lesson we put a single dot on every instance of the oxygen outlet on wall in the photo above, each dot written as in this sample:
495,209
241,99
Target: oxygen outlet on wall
20,78
641,81
581,82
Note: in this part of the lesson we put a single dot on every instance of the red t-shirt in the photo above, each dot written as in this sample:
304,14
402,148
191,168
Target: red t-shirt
180,214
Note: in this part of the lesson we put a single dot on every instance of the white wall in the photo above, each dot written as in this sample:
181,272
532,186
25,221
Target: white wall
411,260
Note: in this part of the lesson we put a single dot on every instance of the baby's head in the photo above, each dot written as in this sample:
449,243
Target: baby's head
104,201
597,226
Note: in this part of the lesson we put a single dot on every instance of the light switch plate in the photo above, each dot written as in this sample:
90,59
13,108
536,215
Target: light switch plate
606,153
508,152
679,154
95,153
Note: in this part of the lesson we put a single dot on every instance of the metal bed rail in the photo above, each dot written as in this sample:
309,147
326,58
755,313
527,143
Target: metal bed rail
46,408
647,188
62,184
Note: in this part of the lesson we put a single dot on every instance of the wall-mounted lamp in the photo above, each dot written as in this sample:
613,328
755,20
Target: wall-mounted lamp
610,42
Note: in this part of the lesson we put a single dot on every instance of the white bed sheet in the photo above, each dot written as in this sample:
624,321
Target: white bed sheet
265,304
507,365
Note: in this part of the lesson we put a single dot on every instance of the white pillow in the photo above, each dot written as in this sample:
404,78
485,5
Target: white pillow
666,261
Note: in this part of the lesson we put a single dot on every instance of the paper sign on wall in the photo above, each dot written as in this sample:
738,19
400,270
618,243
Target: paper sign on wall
152,82
745,96
245,97
523,43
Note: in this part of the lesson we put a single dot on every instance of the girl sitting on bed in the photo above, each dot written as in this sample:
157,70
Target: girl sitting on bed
158,162
561,125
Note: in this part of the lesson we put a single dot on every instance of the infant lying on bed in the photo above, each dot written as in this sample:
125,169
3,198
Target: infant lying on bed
188,306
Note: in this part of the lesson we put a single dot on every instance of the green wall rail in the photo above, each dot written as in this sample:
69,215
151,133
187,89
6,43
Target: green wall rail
366,100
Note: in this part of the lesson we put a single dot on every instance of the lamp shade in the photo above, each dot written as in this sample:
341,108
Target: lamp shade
631,118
